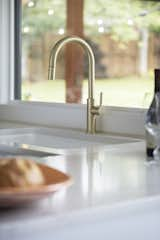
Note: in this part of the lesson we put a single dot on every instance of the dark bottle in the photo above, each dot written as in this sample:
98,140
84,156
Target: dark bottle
150,140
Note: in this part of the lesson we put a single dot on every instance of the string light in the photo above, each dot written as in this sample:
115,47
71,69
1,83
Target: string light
26,29
100,21
30,4
50,12
61,31
101,29
130,22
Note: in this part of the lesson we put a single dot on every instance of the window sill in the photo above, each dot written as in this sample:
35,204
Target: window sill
115,120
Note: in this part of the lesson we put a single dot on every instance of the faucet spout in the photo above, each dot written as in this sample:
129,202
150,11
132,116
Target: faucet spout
92,110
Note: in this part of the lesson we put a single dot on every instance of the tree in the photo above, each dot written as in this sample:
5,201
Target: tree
123,18
44,16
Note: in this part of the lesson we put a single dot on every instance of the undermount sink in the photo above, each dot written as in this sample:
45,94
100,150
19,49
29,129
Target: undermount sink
56,138
15,149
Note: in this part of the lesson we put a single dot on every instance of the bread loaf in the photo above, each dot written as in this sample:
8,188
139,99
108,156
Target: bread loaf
17,172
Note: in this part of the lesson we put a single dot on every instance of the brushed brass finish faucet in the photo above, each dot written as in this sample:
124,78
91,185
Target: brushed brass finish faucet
92,110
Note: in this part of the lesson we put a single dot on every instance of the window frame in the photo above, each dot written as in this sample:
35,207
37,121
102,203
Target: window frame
6,50
17,49
121,120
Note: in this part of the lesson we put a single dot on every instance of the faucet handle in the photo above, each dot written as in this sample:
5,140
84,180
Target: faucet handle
101,99
95,110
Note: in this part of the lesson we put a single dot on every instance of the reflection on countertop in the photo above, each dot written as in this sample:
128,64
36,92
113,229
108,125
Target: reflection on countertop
101,178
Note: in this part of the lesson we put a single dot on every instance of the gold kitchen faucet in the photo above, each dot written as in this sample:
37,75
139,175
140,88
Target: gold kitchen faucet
92,110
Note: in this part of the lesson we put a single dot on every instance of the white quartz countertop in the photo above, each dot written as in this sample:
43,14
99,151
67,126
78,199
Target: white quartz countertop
102,177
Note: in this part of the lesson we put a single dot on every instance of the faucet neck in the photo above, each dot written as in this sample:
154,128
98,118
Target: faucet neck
92,110
53,59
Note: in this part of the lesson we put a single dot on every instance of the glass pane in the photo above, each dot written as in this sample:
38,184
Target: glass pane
124,36
43,23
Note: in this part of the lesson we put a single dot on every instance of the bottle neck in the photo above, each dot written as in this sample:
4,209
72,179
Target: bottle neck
157,80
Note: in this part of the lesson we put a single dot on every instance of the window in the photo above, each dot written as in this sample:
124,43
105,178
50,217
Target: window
113,119
124,36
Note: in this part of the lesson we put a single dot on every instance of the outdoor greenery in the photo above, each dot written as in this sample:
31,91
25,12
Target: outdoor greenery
123,19
39,20
127,92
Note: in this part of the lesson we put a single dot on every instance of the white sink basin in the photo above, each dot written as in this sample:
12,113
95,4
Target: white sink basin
57,138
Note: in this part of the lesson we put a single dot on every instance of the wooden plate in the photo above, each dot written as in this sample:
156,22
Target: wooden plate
54,181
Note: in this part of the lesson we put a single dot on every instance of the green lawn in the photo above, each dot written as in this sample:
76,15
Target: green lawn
128,92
